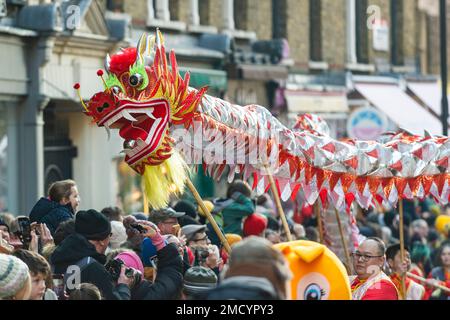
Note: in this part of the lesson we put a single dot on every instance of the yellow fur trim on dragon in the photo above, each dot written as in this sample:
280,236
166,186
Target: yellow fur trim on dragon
149,103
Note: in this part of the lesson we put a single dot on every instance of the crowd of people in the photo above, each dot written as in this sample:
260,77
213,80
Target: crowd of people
59,252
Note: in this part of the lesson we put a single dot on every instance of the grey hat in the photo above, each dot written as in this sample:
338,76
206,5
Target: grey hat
191,229
157,216
199,279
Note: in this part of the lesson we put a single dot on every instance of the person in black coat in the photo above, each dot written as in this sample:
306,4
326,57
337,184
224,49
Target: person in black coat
61,205
86,248
169,275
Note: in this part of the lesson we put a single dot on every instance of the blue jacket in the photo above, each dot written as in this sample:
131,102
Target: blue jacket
51,213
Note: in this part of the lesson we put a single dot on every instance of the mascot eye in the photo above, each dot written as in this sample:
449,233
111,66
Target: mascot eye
313,292
136,80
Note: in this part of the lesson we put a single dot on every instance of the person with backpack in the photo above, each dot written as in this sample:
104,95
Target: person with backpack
84,251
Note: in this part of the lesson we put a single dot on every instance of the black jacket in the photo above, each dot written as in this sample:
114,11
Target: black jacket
76,247
169,278
51,213
242,288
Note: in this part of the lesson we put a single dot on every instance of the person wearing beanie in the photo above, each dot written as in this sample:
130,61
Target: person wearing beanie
255,271
86,249
15,280
119,235
254,225
197,281
168,281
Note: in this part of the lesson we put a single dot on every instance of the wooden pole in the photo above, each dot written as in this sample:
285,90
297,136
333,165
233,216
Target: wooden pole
319,221
425,281
402,246
145,200
208,215
344,244
278,204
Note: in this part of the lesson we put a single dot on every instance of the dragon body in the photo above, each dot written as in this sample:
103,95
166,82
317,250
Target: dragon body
148,101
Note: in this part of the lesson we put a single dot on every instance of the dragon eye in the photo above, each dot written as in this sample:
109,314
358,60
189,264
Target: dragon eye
136,80
313,292
116,89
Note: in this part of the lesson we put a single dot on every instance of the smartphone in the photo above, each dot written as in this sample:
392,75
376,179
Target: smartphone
138,227
25,228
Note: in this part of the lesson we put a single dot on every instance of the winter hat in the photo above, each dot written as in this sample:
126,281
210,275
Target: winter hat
187,207
119,234
254,225
92,225
209,205
131,260
199,279
13,275
233,238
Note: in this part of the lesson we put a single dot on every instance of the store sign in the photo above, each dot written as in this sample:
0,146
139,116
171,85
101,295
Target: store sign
380,30
366,124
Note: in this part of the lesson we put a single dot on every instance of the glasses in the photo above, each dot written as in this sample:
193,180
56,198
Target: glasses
364,257
205,238
170,222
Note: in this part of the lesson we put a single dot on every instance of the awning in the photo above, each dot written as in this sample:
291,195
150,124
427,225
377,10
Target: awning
215,79
400,108
429,92
303,101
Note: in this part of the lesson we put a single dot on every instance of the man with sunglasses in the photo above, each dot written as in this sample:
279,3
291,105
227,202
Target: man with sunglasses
371,283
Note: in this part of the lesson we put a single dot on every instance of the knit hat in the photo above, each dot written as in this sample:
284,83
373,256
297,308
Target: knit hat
92,225
254,225
13,275
131,260
199,279
209,205
233,238
119,234
187,207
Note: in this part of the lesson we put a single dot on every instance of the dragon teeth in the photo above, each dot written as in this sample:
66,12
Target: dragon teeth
128,116
108,132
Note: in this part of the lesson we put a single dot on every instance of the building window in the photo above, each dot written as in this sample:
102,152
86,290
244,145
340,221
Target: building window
315,30
3,161
362,32
397,17
279,18
115,5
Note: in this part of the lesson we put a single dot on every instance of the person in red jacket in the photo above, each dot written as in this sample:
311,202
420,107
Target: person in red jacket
440,274
370,282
